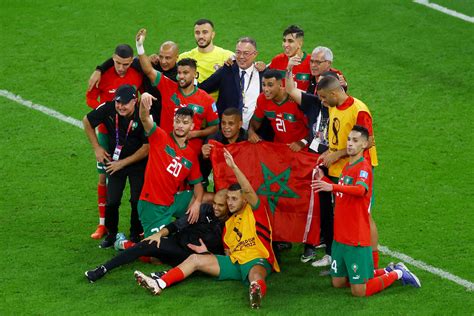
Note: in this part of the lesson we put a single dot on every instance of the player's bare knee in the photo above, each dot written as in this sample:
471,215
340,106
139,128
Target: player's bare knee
194,259
358,290
338,283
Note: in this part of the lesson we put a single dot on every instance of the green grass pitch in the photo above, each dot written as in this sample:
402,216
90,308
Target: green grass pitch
413,67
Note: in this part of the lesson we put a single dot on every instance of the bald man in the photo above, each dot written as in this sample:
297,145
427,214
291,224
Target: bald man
164,61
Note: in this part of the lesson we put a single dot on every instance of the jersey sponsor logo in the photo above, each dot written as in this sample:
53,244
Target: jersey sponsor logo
363,174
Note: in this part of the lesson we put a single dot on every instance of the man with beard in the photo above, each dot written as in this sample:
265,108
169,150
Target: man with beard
209,57
170,163
181,94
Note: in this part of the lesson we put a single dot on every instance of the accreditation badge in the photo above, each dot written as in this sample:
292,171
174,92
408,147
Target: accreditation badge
117,151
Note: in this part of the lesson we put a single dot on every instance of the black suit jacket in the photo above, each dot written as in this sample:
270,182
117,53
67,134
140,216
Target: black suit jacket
226,80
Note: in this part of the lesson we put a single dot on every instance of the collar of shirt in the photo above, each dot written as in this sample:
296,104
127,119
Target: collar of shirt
248,71
347,103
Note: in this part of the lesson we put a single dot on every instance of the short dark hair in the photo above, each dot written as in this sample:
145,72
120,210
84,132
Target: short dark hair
184,112
328,82
124,51
294,29
234,187
204,21
247,39
330,73
362,130
188,62
272,73
232,111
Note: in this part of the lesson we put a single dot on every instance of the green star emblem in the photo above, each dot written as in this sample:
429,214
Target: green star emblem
281,180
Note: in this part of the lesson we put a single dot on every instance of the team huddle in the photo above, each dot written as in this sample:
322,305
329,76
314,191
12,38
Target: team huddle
155,121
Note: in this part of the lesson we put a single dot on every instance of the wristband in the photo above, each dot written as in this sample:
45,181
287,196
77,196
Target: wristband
304,141
140,49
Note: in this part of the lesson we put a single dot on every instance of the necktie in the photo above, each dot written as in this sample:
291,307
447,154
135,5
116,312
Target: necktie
242,90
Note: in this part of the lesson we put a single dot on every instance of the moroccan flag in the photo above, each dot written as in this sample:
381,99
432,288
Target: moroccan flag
281,179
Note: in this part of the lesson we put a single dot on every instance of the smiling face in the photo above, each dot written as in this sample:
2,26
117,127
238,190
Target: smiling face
245,54
168,56
127,109
203,34
235,201
319,64
271,88
291,44
230,126
219,204
186,75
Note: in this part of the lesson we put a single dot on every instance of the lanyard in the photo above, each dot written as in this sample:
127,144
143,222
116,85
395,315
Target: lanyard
117,131
250,81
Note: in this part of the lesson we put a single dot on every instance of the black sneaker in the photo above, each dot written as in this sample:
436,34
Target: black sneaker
158,275
283,245
108,241
96,274
135,238
309,254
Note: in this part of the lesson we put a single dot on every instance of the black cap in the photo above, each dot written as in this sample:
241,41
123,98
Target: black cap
125,93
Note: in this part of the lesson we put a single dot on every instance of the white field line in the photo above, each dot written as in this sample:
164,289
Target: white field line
401,256
445,10
424,266
41,108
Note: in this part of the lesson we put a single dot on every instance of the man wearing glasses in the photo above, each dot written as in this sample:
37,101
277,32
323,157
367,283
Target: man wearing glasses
321,62
239,84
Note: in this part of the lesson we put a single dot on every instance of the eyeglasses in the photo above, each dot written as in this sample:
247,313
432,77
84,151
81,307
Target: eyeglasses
245,54
317,62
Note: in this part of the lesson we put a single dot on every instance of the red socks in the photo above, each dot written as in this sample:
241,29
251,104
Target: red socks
128,244
174,275
379,272
101,199
379,283
375,257
263,287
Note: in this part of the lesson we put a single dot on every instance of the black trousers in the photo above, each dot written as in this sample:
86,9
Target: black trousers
327,219
115,186
169,252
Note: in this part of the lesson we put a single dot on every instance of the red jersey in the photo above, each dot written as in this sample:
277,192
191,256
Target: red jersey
173,98
109,82
351,213
301,72
288,121
167,168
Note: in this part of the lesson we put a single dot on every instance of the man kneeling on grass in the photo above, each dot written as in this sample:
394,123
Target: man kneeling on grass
352,263
247,242
176,241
